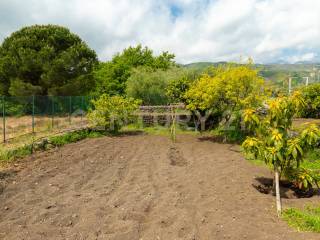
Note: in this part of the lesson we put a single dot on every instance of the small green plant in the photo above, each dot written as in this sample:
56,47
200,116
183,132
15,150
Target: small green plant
307,219
112,113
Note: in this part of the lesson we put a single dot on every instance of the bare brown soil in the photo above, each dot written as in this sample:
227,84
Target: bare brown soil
140,188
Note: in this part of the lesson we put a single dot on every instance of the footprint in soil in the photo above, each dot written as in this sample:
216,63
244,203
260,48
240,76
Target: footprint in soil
176,158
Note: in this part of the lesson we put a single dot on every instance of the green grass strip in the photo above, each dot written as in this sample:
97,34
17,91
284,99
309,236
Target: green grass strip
9,155
307,219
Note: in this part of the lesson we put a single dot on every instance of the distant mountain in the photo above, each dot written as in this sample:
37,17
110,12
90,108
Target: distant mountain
296,67
202,64
276,72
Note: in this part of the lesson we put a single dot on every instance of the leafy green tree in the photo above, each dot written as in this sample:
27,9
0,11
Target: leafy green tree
151,85
311,95
275,141
45,60
112,76
177,87
112,113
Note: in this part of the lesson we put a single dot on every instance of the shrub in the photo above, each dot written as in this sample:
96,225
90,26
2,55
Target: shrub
311,95
112,113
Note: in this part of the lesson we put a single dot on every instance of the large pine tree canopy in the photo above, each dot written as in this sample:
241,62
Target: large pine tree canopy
45,60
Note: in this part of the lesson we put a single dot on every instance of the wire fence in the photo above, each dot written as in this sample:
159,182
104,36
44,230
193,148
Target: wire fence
38,116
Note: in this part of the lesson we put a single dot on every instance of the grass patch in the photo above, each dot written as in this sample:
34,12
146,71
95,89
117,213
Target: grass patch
73,137
157,130
312,160
9,155
307,219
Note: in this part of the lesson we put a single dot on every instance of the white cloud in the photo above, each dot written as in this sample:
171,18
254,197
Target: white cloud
195,30
302,57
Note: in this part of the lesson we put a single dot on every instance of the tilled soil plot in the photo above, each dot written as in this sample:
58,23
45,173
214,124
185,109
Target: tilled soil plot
140,187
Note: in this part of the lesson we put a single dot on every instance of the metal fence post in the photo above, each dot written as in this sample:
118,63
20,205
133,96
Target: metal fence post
4,118
81,108
32,114
70,109
52,113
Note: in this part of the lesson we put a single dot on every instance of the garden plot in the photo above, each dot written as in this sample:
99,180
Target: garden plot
140,187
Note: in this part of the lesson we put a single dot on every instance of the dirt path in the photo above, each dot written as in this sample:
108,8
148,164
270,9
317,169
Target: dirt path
139,187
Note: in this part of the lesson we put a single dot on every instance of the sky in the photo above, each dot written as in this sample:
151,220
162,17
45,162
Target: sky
269,31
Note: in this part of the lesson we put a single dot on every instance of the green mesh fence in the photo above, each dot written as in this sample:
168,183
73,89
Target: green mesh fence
41,115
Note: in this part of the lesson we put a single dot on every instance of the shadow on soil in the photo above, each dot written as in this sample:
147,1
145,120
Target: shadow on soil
5,175
126,133
287,189
220,139
217,139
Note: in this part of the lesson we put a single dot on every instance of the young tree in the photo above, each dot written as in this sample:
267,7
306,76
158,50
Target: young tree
45,60
275,141
112,112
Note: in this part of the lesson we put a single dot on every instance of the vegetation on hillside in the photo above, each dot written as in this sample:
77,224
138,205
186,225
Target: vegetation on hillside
277,74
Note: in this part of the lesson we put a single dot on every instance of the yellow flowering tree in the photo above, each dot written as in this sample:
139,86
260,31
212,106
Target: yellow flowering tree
225,90
274,140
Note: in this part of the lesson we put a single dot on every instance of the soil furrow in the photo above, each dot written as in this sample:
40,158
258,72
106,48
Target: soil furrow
140,188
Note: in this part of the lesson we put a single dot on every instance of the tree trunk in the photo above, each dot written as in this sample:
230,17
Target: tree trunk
277,185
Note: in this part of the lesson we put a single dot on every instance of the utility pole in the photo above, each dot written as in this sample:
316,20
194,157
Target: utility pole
307,80
290,81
